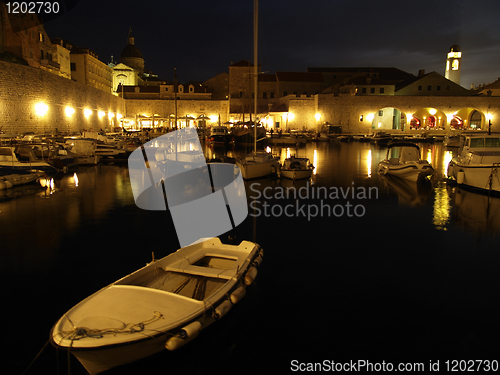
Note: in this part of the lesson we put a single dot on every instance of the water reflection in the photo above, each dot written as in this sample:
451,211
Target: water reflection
442,207
477,213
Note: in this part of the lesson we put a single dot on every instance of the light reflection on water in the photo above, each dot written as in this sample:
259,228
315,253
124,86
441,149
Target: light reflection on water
82,230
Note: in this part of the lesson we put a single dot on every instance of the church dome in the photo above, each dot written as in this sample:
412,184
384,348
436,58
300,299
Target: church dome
131,49
454,48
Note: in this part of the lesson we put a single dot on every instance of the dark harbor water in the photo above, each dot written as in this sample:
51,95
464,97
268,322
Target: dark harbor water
356,267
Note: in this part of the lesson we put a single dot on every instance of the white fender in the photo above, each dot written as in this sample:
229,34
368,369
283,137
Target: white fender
460,177
187,334
222,309
251,275
238,294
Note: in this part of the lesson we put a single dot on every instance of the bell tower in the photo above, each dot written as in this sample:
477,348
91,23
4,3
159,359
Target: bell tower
453,64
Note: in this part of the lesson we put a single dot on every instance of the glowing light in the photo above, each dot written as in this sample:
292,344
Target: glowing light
268,149
429,156
41,109
408,118
432,111
69,111
119,116
370,117
87,112
111,115
291,116
317,116
489,117
101,114
214,118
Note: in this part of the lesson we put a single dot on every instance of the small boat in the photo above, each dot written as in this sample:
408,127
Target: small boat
218,135
403,161
258,164
297,168
15,177
451,141
83,151
21,157
162,305
478,162
381,138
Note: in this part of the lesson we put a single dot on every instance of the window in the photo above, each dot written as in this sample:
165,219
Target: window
448,88
420,88
382,90
372,90
429,88
380,113
264,95
285,93
73,67
363,90
272,95
438,88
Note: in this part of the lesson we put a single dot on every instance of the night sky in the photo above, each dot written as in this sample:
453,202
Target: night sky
201,38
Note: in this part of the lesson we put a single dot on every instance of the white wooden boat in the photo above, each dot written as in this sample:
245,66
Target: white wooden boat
478,162
258,164
162,305
297,168
403,161
21,157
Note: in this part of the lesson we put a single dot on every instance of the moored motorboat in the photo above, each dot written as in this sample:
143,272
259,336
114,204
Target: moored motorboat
218,135
297,168
21,157
162,305
258,164
478,162
403,161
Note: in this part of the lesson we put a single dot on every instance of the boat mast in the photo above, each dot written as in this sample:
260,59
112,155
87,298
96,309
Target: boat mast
255,35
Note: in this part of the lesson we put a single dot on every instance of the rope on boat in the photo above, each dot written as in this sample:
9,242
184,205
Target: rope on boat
80,332
34,359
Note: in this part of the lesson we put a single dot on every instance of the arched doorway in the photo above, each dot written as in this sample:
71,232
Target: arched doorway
389,118
475,120
456,123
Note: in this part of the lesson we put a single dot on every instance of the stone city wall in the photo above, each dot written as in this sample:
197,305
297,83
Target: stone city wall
27,92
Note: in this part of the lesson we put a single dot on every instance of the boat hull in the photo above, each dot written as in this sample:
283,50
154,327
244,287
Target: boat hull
482,177
409,171
296,174
113,327
250,170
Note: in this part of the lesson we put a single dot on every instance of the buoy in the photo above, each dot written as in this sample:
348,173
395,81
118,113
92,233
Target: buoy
222,309
251,275
186,334
257,261
238,294
460,177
